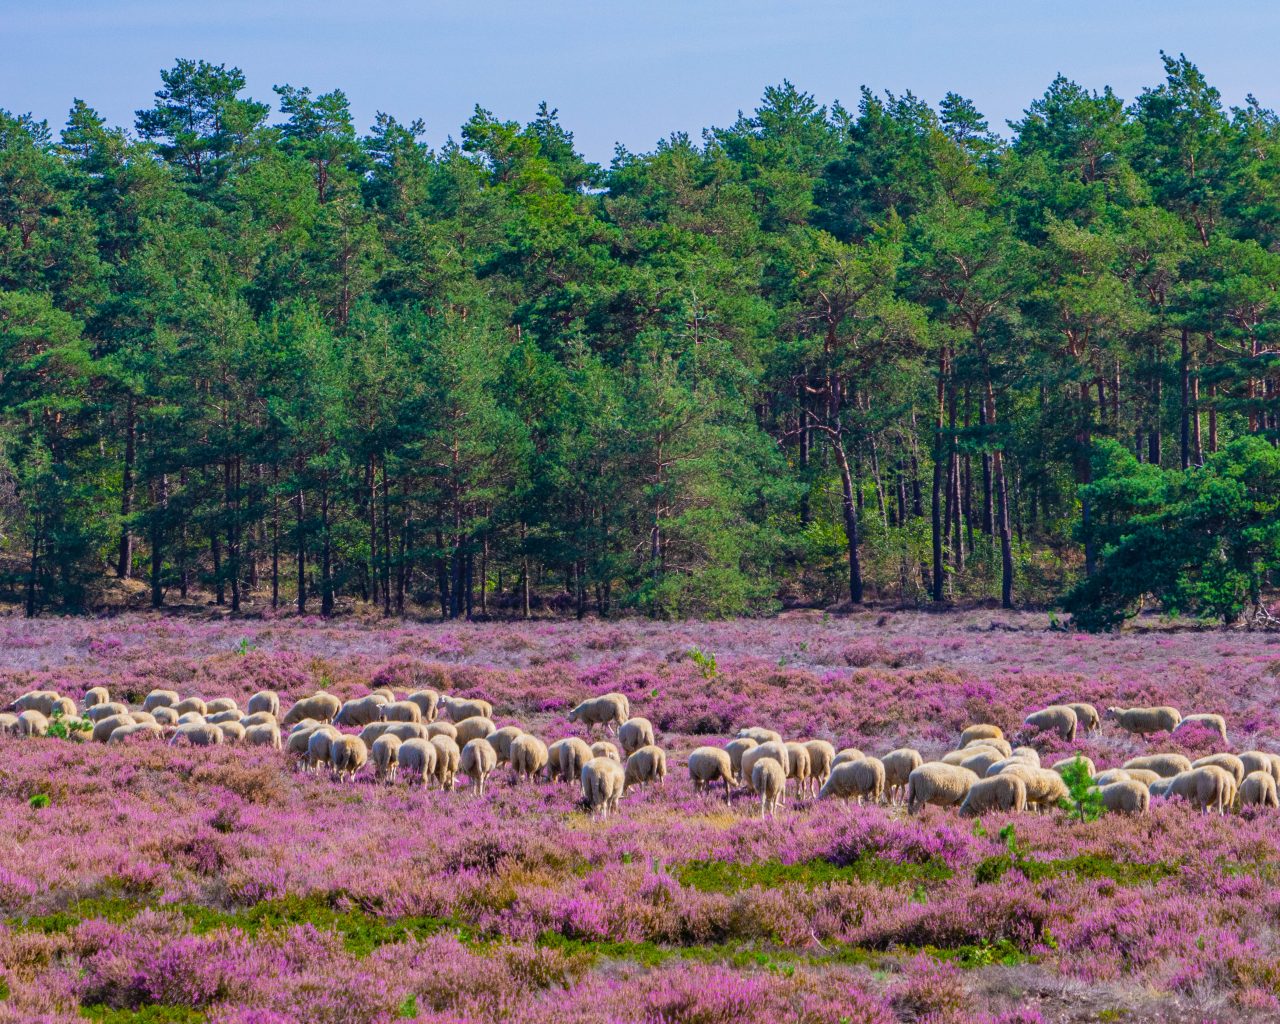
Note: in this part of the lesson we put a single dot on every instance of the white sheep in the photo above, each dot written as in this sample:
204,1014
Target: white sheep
94,696
1061,766
232,732
1145,721
319,747
220,704
1259,790
32,723
708,765
993,742
218,717
160,699
385,754
939,784
1125,796
603,748
321,706
1215,722
347,755
100,711
979,763
169,718
1087,716
8,724
821,757
428,702
265,735
528,756
264,700
1106,778
766,751
980,731
502,739
735,749
603,782
442,729
360,711
186,718
459,709
477,761
137,730
635,733
1164,765
401,711
1259,761
267,718
759,734
648,764
198,734
1006,792
856,780
474,728
188,705
1204,788
847,754
769,781
1057,718
1044,787
104,727
418,759
1228,762
799,767
898,766
385,692
447,757
567,756
606,710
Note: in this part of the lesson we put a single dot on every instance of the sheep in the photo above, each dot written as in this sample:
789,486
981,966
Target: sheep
94,696
219,704
418,759
143,718
447,758
143,730
604,710
648,764
189,718
1006,792
321,706
1087,716
981,761
769,780
8,724
402,730
1144,775
32,723
1067,762
168,717
264,700
34,700
100,711
1144,721
1044,787
1258,761
1125,796
735,749
1164,765
1215,722
232,732
502,739
759,734
104,727
261,718
566,758
1229,762
264,735
898,766
821,755
766,751
856,779
938,784
1004,746
160,699
386,693
347,755
401,711
460,709
1112,775
477,760
442,729
798,766
198,734
1259,790
957,757
298,739
1055,718
528,756
1204,788
603,782
320,747
708,765
635,733
474,728
1027,754
603,748
385,754
428,702
847,754
360,711
980,731
219,717
187,705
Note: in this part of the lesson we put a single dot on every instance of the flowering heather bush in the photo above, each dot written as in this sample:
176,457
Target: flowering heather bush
220,885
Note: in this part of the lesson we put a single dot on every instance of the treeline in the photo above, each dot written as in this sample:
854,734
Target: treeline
822,354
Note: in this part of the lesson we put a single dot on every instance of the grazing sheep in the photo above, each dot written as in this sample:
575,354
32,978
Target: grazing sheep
1259,790
474,728
100,711
160,699
447,757
502,739
603,782
856,779
768,780
1144,775
1203,788
1067,762
1275,768
1055,718
1087,716
264,700
442,729
188,705
1228,762
143,718
898,766
980,731
401,711
708,765
63,707
386,693
798,766
224,716
189,718
320,747
104,727
94,696
1257,761
566,758
1027,754
1112,775
759,734
528,756
428,702
360,711
1164,765
459,709
385,754
373,730
939,784
418,759
1125,796
477,761
220,704
821,756
168,717
1145,721
981,761
1044,787
847,754
8,724
232,732
957,757
1003,746
648,764
321,706
298,739
265,735
404,730
198,734
1215,722
263,718
605,710
766,751
1005,792
137,730
635,733
603,748
347,755
735,749
32,723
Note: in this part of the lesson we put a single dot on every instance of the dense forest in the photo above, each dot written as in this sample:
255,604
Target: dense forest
249,355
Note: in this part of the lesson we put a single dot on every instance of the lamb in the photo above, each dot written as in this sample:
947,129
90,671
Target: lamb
32,723
442,729
401,711
1087,716
528,756
1044,787
635,733
648,764
604,710
1204,788
418,759
898,766
104,727
847,754
460,709
1145,721
821,755
1056,718
798,766
198,735
94,696
603,782
386,758
220,704
447,758
160,699
502,739
321,706
1067,762
1228,762
603,748
566,758
769,780
347,755
1259,790
232,732
980,731
759,734
856,779
708,765
1005,792
263,736
735,749
477,761
361,711
766,751
1125,796
428,702
319,747
1215,722
141,730
264,700
474,728
100,711
1164,765
1004,746
938,784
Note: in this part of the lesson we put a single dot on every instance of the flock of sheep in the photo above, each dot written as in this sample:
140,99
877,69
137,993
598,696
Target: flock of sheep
406,738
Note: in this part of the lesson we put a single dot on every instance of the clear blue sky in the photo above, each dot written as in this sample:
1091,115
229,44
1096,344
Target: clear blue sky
627,71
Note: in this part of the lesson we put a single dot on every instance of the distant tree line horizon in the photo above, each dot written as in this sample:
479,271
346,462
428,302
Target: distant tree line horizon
821,355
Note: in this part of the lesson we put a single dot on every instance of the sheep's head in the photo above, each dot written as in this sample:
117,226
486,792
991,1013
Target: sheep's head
1112,713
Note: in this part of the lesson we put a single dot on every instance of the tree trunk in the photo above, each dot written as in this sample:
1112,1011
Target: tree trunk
1184,369
326,554
302,554
124,565
1002,495
850,522
939,453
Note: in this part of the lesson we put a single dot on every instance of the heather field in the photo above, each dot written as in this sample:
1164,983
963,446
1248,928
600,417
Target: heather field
149,883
